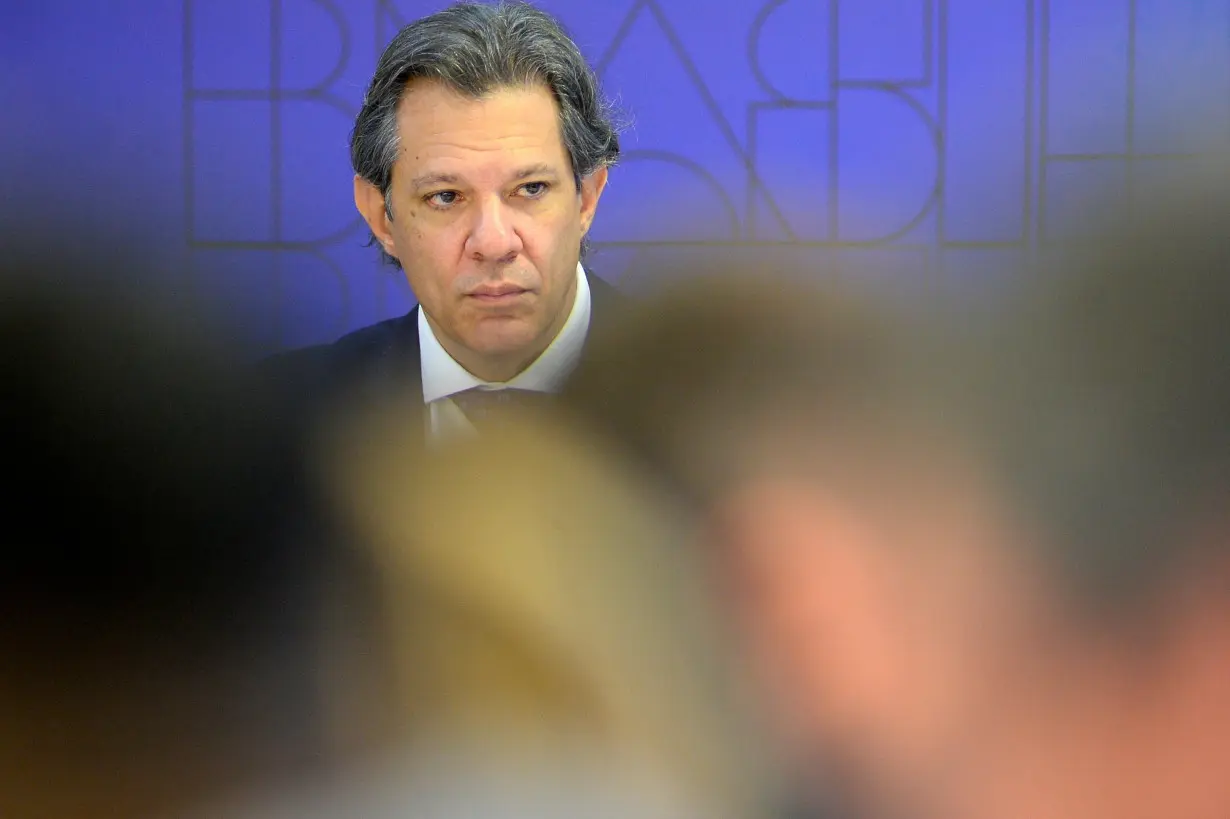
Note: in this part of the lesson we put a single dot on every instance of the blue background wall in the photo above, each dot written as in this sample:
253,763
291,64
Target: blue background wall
937,138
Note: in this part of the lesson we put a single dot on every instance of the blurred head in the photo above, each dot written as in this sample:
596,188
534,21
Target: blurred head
480,155
982,570
155,609
793,418
541,614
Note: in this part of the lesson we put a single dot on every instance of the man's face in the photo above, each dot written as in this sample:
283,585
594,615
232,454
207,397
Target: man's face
886,621
486,220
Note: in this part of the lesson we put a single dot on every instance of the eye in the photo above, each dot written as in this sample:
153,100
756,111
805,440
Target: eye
441,199
535,189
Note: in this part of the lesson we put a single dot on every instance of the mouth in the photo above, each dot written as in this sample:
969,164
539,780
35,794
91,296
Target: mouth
498,293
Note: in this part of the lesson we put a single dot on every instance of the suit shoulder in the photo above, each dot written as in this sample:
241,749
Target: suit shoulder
319,365
611,306
602,290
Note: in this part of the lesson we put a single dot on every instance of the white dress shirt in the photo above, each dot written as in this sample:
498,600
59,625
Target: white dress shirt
444,377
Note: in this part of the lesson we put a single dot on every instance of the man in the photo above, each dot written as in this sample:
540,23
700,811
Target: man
480,156
984,581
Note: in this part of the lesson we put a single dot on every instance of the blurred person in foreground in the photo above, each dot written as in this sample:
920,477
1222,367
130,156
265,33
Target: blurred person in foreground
984,570
158,611
551,650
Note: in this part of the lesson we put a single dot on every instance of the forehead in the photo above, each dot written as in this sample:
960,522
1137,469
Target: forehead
442,130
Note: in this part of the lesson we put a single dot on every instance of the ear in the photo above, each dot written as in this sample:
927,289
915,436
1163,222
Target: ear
817,587
591,191
370,202
809,563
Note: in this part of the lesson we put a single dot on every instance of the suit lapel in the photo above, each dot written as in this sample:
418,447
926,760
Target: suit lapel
409,350
398,359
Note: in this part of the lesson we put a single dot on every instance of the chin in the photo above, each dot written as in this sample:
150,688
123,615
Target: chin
504,336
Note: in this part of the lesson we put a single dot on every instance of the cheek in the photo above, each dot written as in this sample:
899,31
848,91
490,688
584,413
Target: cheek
949,605
552,234
430,254
809,637
834,640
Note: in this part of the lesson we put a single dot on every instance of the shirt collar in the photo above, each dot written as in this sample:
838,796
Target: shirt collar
443,376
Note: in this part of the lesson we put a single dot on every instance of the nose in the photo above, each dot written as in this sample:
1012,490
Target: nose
493,236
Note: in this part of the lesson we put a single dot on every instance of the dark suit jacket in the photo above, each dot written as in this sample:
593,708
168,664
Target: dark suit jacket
313,382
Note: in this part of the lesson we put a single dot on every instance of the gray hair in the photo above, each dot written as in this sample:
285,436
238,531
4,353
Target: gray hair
475,48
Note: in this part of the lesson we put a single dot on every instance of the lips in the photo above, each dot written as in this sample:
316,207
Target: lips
497,292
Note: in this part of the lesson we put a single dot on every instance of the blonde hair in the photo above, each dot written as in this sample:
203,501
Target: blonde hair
540,593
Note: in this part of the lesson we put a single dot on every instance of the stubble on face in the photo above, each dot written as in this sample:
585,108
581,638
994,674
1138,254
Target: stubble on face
488,222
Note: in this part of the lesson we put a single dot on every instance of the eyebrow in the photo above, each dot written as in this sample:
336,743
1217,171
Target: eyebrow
428,179
540,169
432,179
